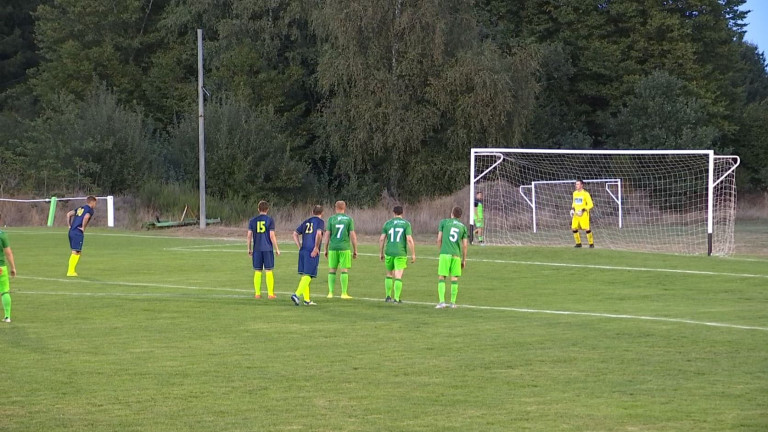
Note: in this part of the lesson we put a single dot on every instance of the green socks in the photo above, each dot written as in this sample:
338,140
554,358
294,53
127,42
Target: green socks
398,288
344,283
6,304
388,286
441,290
454,291
331,282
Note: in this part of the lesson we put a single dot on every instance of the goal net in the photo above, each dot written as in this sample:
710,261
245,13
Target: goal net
52,211
663,201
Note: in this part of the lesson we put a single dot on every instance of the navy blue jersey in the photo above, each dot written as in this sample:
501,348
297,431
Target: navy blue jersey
308,230
77,221
261,225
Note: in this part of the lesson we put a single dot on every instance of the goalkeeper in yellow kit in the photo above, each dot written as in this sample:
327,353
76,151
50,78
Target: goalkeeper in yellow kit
580,208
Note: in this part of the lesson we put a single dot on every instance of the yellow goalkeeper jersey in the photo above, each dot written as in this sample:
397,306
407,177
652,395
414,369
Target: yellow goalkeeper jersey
582,200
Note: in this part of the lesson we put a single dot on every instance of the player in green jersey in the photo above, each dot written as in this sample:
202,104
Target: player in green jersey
479,218
6,262
452,242
339,233
397,236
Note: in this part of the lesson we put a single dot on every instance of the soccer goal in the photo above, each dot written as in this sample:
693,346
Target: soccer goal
675,201
28,211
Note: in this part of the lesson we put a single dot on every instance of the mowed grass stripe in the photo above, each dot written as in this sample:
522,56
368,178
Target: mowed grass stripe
431,305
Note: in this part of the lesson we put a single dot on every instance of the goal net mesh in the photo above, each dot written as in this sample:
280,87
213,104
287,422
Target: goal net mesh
644,201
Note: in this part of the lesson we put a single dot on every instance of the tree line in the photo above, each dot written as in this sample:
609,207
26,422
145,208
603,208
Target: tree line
320,99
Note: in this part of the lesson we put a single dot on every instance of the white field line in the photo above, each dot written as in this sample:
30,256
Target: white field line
431,305
536,263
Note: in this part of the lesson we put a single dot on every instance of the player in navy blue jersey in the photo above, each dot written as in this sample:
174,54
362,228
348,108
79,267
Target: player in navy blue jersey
262,246
311,233
77,220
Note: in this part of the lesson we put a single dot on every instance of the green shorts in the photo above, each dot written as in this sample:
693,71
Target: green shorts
478,223
340,259
396,262
449,265
5,284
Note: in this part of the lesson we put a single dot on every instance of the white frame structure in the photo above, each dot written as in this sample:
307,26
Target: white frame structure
608,182
499,153
53,200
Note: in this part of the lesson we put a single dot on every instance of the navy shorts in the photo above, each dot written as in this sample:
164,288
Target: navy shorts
263,260
308,265
76,238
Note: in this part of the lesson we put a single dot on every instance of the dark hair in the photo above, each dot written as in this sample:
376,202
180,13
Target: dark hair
456,212
263,206
398,210
580,180
318,210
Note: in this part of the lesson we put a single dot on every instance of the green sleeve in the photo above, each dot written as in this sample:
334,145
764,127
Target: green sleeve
4,243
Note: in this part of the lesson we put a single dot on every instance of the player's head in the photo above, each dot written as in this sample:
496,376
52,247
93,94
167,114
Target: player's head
341,206
398,210
263,206
479,195
91,201
317,210
579,184
456,212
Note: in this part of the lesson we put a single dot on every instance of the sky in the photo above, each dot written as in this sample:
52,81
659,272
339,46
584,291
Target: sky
757,23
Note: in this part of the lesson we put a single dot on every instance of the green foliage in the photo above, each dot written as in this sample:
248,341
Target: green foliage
333,99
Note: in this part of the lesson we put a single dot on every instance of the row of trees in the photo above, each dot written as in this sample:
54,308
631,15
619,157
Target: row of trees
339,98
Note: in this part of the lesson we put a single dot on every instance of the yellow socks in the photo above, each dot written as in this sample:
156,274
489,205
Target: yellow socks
270,284
257,283
73,259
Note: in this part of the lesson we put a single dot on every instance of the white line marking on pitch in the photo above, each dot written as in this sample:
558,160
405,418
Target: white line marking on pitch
498,308
537,263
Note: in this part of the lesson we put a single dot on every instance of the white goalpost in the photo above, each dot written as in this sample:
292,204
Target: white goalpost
677,201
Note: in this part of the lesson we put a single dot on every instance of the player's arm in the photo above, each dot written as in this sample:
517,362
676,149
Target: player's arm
439,239
327,241
382,239
273,238
296,239
353,238
9,257
318,238
70,215
588,202
464,244
412,247
249,239
86,219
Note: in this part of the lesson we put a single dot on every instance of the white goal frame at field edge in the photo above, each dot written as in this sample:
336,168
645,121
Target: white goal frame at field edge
53,200
608,182
726,170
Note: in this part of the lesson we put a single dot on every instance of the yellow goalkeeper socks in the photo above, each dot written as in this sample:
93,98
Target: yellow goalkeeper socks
590,239
577,237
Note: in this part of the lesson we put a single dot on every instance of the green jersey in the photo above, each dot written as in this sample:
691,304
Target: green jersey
3,244
339,226
396,230
453,233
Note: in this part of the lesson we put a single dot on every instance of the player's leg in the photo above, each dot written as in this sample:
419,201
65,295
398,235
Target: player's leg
310,272
401,263
5,293
585,225
443,270
345,262
333,264
258,266
389,262
269,265
76,238
479,229
455,272
575,230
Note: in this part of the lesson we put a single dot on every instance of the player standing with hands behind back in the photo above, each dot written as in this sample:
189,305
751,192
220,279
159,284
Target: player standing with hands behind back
452,241
77,220
582,204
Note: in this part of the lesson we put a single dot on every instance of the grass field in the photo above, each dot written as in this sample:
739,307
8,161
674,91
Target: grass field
163,334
